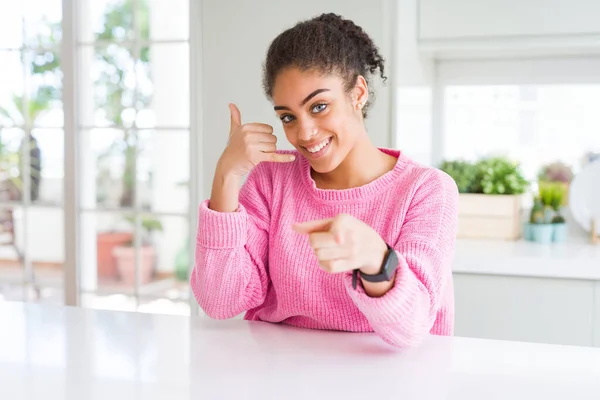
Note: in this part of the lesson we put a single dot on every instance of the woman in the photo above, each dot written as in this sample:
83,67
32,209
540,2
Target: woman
338,234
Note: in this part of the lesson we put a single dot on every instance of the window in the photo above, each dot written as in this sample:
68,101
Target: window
132,62
534,124
535,111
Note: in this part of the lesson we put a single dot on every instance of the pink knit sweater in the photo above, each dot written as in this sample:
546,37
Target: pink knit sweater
251,261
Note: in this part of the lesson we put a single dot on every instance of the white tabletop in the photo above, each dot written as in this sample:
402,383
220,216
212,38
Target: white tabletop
55,353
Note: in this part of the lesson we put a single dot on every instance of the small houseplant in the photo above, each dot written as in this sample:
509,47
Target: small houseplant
125,254
490,197
558,194
546,223
557,172
540,228
499,175
463,172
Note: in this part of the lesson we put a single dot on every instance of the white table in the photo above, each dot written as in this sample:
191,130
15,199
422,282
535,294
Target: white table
55,353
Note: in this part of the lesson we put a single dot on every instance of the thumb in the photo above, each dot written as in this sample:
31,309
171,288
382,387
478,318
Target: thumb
236,117
307,227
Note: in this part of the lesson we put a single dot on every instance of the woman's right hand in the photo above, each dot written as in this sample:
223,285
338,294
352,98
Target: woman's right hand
249,144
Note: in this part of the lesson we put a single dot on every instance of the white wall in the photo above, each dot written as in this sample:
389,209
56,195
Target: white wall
414,80
236,35
450,29
525,71
455,19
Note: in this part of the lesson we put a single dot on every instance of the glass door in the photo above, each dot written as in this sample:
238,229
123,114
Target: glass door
133,61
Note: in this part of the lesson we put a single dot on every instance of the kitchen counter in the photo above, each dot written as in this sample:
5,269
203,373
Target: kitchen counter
570,260
53,353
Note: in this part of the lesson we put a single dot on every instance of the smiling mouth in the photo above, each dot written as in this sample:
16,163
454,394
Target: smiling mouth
319,147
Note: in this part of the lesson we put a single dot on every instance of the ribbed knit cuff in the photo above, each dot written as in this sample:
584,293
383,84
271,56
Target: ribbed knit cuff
400,302
221,230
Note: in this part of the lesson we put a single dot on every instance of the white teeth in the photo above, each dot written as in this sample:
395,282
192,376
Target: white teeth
319,146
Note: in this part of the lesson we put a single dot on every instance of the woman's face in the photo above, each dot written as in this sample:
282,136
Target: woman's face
320,119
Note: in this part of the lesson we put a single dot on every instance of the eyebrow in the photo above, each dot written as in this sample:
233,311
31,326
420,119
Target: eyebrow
306,100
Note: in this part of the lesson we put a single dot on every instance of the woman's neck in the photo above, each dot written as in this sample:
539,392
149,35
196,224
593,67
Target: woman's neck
363,164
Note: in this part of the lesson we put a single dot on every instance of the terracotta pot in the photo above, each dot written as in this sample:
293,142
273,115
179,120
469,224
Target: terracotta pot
105,243
125,259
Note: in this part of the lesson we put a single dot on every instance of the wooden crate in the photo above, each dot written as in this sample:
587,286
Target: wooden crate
482,216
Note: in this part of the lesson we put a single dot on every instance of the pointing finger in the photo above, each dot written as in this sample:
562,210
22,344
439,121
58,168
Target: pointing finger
313,226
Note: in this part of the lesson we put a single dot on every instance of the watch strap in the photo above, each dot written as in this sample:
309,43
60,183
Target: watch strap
384,273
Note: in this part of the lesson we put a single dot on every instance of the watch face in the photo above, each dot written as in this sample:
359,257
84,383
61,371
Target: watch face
391,263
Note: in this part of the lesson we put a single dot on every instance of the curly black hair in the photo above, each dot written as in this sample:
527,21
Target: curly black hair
328,44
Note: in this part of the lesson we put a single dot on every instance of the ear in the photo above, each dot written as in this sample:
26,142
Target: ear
360,93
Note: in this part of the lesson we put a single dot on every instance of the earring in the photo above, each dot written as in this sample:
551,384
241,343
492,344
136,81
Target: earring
361,104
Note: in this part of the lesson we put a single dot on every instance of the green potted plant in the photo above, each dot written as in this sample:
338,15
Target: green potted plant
463,172
546,223
499,176
125,254
490,197
557,200
558,172
540,228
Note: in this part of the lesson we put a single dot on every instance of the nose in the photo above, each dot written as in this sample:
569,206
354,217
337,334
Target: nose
307,131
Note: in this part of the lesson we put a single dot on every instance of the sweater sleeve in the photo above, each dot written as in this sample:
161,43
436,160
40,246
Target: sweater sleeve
230,270
406,313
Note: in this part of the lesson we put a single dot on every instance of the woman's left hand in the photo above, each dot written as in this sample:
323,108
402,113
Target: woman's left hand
344,243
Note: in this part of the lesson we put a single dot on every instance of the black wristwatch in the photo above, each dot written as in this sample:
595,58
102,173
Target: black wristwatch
388,267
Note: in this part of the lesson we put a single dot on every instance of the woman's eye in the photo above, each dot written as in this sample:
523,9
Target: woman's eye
286,119
319,107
